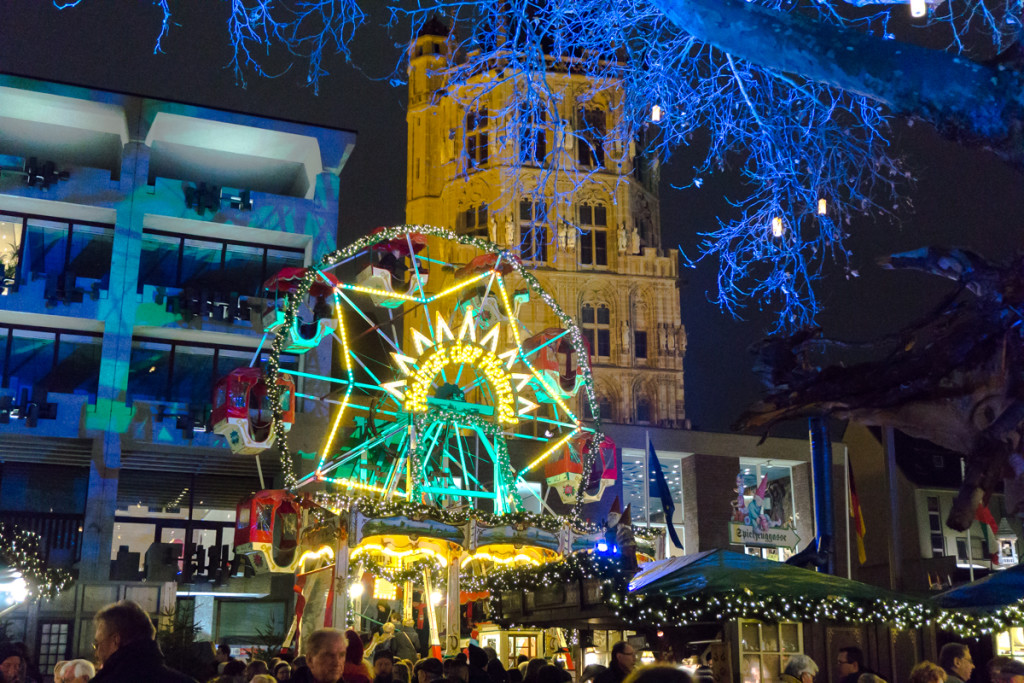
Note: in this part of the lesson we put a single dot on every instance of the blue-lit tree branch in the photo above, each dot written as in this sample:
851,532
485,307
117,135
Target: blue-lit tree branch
796,94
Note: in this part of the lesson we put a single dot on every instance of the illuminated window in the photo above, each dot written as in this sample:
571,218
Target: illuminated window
533,231
765,649
596,327
472,221
590,137
476,138
593,221
935,527
54,644
36,358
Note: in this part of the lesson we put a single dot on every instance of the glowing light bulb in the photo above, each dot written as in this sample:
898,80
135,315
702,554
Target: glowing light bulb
435,598
918,8
777,227
656,113
822,207
355,590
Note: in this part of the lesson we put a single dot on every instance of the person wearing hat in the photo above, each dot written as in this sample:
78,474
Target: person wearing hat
383,666
591,671
10,665
428,670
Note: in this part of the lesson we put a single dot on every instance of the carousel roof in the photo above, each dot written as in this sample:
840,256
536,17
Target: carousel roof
996,590
720,571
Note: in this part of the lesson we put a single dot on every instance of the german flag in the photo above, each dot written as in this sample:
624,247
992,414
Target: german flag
858,517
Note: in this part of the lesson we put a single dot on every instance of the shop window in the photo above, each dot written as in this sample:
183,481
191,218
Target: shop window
473,221
54,645
1011,643
533,141
593,220
633,492
765,649
180,372
533,231
590,136
42,359
521,645
596,327
174,260
476,138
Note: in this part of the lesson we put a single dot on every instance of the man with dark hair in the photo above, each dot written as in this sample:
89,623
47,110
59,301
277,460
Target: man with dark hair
10,665
126,648
623,660
383,666
956,659
851,664
325,657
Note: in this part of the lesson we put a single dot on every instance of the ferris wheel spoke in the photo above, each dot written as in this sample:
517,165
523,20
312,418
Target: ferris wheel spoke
373,326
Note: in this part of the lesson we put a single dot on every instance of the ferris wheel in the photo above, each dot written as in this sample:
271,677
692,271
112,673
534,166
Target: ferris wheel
446,395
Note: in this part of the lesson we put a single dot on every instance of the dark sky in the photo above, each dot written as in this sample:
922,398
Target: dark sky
961,198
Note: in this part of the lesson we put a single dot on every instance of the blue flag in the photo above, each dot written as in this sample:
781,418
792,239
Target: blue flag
657,486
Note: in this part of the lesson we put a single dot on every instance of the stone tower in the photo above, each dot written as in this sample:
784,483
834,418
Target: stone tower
585,215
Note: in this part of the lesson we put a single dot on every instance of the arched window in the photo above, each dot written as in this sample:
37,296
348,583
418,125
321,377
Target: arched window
476,137
643,411
596,327
533,141
593,221
590,133
533,231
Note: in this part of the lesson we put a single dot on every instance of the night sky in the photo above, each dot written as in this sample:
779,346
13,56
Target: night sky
961,197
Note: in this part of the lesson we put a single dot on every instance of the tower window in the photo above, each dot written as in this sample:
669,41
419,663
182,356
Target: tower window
472,221
476,138
590,137
597,328
533,231
643,411
533,141
593,221
640,344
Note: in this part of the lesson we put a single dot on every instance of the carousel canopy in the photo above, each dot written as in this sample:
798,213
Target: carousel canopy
996,590
720,571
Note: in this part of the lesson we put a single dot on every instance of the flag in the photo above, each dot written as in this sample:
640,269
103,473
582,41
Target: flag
858,517
657,486
984,515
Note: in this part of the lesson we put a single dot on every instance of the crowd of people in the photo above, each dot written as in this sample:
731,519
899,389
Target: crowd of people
127,652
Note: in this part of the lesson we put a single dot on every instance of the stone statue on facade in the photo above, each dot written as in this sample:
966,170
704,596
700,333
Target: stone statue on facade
492,232
624,326
634,241
510,233
623,238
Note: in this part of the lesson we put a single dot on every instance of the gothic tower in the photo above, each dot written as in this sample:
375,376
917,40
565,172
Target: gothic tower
585,215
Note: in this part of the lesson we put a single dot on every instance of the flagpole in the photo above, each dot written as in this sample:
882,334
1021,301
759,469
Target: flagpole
647,479
849,510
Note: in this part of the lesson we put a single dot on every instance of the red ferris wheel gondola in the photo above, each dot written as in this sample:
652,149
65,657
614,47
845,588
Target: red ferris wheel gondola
242,411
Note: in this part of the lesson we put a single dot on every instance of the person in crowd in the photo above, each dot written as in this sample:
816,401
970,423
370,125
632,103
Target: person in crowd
263,678
406,642
658,673
956,659
495,671
995,665
255,668
1011,671
282,671
401,672
533,667
76,671
522,659
549,673
927,672
870,678
427,670
458,671
591,671
799,669
57,668
10,665
234,672
326,655
125,644
477,660
223,656
851,664
383,667
623,661
356,670
29,671
491,653
704,674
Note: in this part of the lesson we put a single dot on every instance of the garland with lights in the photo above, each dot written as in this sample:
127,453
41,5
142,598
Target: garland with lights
313,274
21,550
412,571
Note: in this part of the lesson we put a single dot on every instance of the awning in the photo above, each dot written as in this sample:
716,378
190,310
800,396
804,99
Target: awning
996,590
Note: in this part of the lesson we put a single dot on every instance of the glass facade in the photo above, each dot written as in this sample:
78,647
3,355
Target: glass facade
41,359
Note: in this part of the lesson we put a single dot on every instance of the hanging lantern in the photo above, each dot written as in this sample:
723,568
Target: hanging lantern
777,227
822,207
656,113
918,8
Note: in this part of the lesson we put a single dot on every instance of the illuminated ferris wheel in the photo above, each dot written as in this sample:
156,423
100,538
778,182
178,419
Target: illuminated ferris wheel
445,395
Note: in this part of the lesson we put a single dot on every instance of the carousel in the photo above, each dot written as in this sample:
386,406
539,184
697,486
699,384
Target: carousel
456,444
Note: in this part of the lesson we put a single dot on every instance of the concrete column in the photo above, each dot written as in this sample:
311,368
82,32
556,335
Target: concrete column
100,506
340,606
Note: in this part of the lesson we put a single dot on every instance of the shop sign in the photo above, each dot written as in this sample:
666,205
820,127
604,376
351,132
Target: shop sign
771,537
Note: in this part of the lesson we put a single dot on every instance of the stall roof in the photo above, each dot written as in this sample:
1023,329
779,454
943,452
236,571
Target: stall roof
719,571
992,592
